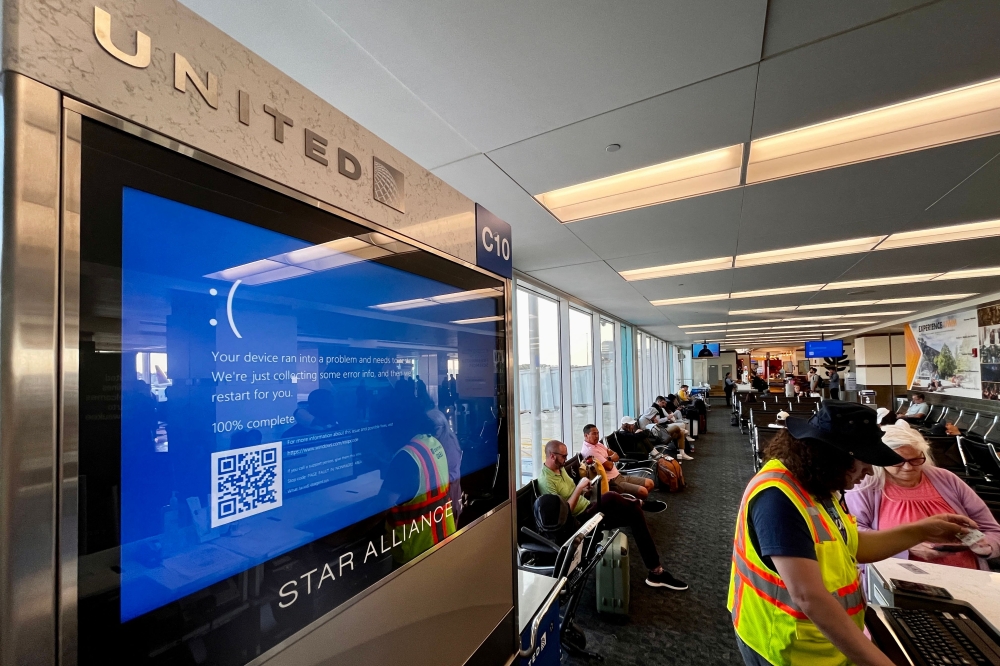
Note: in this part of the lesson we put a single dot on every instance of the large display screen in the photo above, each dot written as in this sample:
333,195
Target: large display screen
824,348
278,407
708,350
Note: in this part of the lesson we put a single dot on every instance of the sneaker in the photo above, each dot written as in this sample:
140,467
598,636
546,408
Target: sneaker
683,456
653,506
665,579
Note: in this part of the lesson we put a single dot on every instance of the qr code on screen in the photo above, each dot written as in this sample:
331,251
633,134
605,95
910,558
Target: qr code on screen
245,482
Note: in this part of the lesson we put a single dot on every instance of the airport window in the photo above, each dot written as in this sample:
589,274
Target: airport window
539,379
627,371
581,354
609,377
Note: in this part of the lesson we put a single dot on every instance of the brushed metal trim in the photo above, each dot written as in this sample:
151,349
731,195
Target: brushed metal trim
85,110
69,393
29,280
236,170
513,417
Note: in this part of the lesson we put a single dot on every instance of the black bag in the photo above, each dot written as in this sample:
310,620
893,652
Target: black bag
554,519
734,420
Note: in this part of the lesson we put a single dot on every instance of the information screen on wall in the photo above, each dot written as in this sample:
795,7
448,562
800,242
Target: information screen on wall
824,348
707,350
278,407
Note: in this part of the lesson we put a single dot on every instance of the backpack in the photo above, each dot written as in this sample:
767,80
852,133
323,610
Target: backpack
668,471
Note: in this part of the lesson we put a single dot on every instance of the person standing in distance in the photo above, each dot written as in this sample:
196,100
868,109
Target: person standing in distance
795,591
835,384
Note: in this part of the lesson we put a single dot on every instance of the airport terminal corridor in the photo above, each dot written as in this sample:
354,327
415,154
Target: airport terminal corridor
384,332
696,532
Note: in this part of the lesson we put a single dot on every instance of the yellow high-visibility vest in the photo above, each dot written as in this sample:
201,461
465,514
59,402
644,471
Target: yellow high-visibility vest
764,614
428,518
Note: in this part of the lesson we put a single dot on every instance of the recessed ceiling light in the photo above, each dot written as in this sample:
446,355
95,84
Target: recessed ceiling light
683,268
935,120
613,147
678,179
834,249
969,273
800,289
937,235
691,299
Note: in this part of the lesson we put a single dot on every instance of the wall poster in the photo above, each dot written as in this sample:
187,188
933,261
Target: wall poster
989,351
942,354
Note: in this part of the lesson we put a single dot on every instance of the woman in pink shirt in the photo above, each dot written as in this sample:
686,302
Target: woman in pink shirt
917,489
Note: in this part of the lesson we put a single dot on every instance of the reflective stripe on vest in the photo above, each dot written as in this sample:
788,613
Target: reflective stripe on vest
429,507
771,588
764,614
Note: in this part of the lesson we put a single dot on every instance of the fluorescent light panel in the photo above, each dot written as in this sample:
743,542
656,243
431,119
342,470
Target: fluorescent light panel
856,304
677,179
956,232
935,120
478,320
833,286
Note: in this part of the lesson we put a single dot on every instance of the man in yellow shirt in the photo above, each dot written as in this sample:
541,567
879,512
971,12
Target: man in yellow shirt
618,511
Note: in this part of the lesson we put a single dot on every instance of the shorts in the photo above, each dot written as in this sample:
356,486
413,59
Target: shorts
627,484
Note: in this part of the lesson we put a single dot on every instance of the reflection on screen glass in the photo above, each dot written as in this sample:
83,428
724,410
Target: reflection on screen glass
287,391
278,408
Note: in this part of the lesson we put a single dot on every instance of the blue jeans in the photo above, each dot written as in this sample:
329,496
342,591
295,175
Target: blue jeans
750,656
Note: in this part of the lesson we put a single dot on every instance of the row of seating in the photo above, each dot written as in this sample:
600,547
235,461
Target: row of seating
575,559
975,425
755,414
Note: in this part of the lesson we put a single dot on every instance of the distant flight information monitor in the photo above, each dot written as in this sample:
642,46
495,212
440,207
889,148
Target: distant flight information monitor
710,350
824,348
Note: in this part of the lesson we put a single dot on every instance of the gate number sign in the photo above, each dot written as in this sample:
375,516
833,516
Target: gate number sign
493,243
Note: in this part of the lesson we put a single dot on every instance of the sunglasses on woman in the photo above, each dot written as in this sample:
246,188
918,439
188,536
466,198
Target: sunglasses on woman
914,462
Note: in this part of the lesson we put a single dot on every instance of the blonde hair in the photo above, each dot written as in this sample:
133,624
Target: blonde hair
896,436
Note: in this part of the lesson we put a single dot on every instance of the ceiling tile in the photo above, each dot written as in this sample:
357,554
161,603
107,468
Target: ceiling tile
301,41
792,23
539,240
867,199
697,228
711,114
500,72
938,47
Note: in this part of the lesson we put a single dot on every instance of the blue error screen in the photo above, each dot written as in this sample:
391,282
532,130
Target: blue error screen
268,384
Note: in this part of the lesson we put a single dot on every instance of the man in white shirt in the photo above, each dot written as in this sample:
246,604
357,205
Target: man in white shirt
592,447
918,409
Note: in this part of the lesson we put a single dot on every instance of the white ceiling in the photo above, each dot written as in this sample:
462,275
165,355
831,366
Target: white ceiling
505,100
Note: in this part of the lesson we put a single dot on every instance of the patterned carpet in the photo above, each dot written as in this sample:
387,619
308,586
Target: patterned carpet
694,536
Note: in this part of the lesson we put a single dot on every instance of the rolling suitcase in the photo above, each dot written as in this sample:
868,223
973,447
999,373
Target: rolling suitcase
612,576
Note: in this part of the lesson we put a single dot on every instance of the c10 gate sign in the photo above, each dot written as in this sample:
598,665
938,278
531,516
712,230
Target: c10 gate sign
493,243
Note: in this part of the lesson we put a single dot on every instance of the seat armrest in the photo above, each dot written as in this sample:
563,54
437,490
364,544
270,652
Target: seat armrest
551,545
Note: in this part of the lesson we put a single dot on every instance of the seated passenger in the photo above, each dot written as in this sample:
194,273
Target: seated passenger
665,422
618,511
630,439
684,394
916,489
917,410
592,448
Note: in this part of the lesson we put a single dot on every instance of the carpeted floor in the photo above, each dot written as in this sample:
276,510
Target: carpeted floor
695,537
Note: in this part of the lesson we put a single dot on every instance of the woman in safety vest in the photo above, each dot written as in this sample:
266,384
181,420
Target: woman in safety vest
794,592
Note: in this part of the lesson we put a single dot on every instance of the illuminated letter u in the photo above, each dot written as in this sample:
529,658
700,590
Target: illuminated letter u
102,30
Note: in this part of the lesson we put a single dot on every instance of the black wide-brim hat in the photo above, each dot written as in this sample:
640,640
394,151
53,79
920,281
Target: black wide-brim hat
847,427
